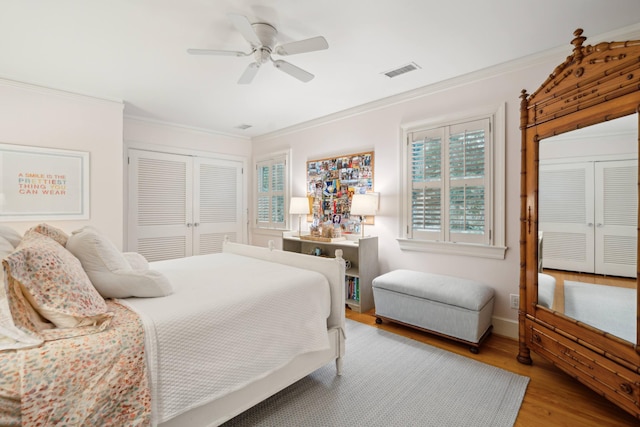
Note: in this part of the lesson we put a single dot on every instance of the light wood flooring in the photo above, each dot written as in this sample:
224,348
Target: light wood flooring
552,399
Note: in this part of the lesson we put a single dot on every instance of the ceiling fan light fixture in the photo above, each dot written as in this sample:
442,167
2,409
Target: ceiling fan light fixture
262,39
262,55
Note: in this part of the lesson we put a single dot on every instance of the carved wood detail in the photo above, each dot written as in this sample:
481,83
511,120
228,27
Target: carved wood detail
594,84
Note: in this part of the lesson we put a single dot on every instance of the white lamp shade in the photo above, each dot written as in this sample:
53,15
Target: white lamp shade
364,204
299,205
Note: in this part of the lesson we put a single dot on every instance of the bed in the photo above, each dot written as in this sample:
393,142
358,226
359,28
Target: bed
222,332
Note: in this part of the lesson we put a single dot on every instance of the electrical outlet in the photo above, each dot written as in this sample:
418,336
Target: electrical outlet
514,301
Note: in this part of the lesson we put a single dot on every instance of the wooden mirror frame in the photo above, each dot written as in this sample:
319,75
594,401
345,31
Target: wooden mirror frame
593,85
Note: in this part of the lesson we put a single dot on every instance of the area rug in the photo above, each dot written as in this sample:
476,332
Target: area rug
389,380
608,308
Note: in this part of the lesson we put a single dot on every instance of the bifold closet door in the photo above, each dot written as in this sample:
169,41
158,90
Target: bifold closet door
182,205
217,201
616,217
588,214
160,219
566,216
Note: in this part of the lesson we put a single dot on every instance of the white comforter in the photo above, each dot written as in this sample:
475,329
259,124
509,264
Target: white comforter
231,320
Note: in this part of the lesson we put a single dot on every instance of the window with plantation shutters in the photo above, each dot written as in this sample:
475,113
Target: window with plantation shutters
426,184
271,194
451,195
467,171
448,185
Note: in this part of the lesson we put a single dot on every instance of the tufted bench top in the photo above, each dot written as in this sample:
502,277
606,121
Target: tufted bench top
449,290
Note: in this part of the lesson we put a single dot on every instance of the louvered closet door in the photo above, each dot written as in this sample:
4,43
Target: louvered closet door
616,217
160,205
566,216
217,204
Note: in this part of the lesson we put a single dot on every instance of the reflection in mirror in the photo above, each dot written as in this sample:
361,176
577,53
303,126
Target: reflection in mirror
587,222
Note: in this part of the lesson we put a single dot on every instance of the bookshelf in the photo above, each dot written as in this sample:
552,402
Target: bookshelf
363,255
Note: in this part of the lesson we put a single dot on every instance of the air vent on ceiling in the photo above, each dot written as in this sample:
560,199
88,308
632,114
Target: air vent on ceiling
243,126
401,70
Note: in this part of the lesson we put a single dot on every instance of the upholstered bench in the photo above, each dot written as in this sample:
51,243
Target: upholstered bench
455,308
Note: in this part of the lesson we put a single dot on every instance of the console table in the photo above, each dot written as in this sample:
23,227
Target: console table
361,253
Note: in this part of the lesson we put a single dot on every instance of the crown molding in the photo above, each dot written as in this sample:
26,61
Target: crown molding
32,87
184,127
631,32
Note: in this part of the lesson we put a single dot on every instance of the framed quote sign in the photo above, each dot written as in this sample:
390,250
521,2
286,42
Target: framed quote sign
43,183
332,182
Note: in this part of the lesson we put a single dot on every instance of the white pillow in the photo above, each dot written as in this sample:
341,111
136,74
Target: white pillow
546,290
110,271
11,235
136,261
5,247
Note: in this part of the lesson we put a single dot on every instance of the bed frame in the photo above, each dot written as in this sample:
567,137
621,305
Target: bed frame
227,407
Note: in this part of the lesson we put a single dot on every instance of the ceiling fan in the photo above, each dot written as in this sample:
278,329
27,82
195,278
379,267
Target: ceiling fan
262,38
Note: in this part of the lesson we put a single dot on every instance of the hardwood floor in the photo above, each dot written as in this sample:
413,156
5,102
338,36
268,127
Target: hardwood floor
552,399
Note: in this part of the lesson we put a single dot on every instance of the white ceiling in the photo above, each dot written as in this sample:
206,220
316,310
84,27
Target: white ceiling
135,50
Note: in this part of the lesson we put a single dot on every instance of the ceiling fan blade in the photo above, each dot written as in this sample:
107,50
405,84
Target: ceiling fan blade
216,52
302,46
243,25
249,73
294,71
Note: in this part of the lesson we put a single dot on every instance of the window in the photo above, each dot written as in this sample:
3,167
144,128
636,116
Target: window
272,192
454,186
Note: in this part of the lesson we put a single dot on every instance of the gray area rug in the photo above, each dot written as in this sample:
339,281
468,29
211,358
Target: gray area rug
389,380
608,308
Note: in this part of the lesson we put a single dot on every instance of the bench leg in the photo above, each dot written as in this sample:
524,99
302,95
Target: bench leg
473,347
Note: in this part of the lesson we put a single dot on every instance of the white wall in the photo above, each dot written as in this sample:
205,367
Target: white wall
617,138
43,117
36,116
379,129
142,133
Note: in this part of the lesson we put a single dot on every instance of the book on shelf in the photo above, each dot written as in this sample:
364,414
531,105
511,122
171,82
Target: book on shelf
353,288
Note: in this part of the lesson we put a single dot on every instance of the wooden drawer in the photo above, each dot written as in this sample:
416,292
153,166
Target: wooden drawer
608,378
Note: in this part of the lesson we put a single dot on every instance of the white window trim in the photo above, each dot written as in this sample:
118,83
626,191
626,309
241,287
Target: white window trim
496,249
287,192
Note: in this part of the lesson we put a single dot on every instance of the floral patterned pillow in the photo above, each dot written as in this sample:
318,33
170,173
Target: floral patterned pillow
49,289
53,232
11,337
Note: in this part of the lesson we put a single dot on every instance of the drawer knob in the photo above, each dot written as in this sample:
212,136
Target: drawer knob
537,338
626,387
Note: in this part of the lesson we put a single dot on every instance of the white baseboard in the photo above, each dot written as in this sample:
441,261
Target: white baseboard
505,327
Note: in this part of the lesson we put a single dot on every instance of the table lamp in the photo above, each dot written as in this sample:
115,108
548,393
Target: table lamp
299,206
363,205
